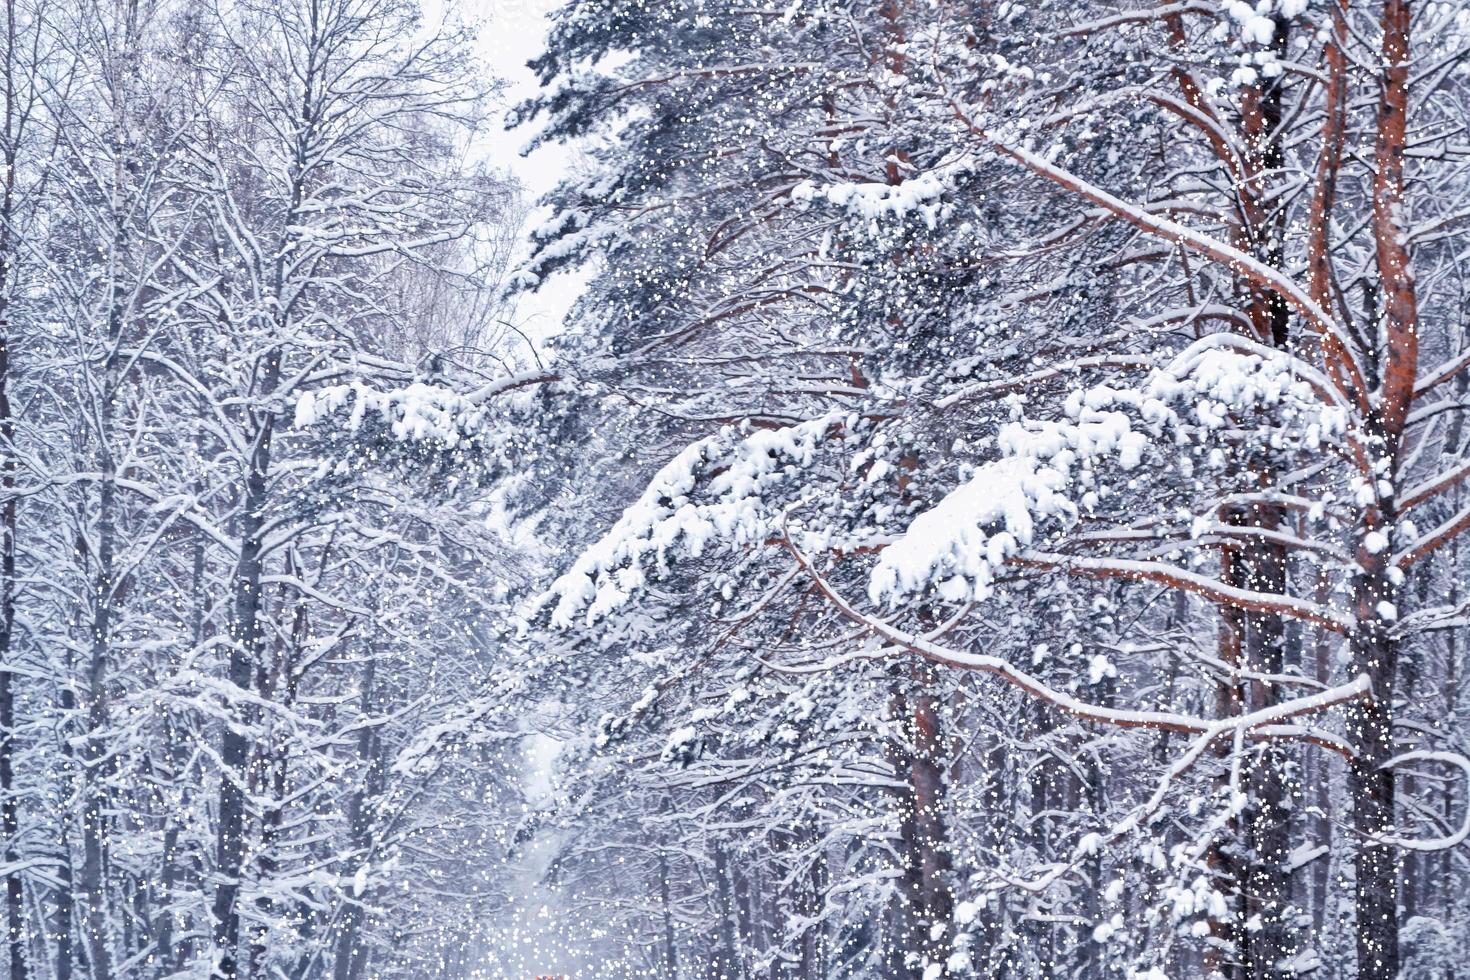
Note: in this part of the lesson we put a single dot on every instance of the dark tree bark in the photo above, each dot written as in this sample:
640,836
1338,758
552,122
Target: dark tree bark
1371,786
1265,878
670,947
925,897
10,151
350,957
727,957
245,644
9,822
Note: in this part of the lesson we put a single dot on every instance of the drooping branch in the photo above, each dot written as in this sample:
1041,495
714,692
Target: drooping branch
1435,485
1449,840
1183,580
1127,18
1265,719
1451,528
1238,262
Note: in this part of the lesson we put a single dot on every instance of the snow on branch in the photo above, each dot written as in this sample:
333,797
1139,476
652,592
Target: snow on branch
950,545
417,413
718,488
957,545
1008,144
922,194
723,488
1183,580
1264,723
1449,840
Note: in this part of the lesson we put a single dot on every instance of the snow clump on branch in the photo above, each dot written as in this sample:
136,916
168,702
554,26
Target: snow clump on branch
718,488
725,487
416,413
957,545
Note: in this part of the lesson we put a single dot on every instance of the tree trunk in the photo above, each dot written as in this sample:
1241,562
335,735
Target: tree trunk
1374,650
245,642
815,947
92,890
1371,787
1266,882
1223,955
276,683
9,822
170,958
350,957
65,914
745,913
727,959
926,900
671,949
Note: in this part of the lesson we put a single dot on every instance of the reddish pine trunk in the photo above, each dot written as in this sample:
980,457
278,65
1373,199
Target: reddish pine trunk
1374,650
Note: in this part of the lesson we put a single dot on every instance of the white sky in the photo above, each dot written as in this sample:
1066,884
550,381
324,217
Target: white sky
512,32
